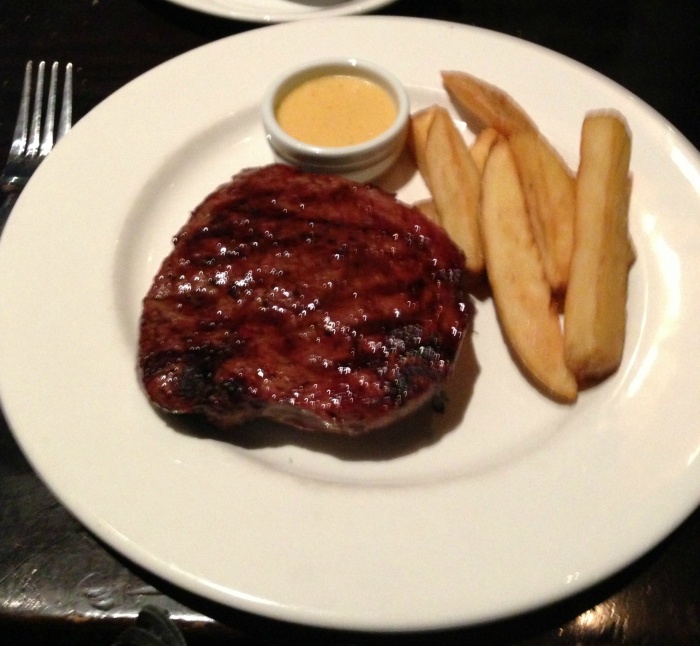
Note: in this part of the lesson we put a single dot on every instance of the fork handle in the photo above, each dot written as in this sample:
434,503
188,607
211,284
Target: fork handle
5,209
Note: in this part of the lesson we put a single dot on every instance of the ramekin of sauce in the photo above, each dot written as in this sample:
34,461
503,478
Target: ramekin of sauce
342,116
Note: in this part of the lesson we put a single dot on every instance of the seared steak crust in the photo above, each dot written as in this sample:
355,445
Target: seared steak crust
304,298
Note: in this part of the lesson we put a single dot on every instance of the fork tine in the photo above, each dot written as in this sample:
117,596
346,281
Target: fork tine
66,118
35,129
47,139
19,138
29,147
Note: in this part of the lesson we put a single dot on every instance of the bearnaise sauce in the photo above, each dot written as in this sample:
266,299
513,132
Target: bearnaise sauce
336,110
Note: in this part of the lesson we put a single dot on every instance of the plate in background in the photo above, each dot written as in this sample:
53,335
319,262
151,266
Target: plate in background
269,11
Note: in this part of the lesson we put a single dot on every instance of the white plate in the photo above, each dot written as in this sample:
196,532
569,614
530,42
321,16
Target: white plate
507,502
268,11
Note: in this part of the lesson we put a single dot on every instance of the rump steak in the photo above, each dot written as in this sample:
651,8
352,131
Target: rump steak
308,299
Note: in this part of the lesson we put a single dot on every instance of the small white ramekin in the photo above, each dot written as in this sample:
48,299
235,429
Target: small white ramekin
361,162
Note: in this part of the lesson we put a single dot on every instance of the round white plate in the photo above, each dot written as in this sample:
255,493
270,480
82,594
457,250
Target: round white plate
505,503
269,11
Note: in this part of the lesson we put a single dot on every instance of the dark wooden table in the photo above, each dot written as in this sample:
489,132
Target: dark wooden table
59,585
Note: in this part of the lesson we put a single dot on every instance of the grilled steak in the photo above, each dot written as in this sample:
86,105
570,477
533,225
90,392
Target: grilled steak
304,298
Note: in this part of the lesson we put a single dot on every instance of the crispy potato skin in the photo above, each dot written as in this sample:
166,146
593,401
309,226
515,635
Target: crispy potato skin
488,103
553,244
521,292
427,208
418,136
481,147
550,195
455,182
595,310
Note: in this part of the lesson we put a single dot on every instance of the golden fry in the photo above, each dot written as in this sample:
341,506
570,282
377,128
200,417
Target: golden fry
595,308
491,105
455,184
418,136
481,147
427,207
550,195
521,293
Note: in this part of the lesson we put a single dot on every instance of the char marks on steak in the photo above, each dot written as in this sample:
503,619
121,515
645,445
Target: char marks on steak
304,298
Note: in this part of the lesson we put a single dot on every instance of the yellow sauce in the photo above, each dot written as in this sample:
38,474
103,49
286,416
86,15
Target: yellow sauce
336,110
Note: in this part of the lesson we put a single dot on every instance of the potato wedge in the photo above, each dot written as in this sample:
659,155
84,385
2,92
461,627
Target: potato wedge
488,103
595,310
427,207
632,249
455,184
521,293
418,135
550,195
481,147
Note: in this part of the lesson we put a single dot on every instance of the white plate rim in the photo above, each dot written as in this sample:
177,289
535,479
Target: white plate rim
571,473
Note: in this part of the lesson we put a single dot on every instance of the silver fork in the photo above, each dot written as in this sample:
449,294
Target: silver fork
30,145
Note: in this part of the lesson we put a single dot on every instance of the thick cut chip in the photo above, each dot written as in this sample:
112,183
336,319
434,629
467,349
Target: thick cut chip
427,208
550,195
418,136
521,293
481,147
455,184
488,103
596,300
